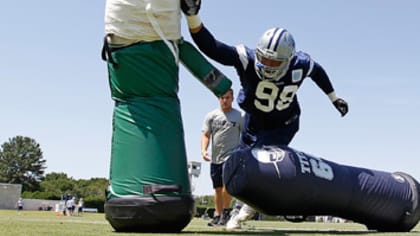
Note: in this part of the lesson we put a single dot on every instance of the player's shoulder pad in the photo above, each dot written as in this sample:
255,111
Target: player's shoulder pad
243,51
305,61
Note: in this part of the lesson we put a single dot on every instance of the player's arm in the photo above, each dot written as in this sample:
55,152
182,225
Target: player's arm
216,50
320,77
206,42
205,140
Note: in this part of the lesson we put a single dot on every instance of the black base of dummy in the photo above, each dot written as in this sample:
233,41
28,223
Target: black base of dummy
150,214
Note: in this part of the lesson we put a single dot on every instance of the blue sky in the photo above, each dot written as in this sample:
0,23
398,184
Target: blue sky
54,86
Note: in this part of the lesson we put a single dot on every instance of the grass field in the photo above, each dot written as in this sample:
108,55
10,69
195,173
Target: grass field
48,223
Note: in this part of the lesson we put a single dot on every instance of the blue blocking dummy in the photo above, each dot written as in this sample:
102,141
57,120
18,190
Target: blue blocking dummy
278,180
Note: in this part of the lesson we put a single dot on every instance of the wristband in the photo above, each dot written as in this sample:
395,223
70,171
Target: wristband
193,21
332,96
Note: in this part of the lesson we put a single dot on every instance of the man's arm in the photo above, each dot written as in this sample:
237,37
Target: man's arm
205,140
209,45
320,77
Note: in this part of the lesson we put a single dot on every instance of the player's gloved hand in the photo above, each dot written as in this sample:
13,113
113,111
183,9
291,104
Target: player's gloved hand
341,106
190,7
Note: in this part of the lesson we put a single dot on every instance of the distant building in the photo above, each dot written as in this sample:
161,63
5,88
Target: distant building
9,195
194,169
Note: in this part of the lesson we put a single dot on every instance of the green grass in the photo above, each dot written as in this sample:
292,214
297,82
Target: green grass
48,223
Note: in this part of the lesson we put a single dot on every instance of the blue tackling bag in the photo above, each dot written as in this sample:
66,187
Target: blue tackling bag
278,180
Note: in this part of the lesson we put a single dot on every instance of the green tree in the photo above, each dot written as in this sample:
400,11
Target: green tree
21,162
94,187
58,184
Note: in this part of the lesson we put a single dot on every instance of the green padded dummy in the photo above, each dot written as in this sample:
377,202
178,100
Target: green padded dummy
149,188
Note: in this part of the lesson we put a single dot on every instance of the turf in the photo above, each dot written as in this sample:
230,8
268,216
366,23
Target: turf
49,223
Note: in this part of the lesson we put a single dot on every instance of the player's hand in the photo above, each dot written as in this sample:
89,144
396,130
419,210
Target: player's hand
190,7
341,106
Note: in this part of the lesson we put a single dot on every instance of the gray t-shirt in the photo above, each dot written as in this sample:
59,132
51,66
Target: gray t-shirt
224,129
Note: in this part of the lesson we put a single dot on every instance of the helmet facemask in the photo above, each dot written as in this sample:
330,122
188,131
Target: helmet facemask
274,51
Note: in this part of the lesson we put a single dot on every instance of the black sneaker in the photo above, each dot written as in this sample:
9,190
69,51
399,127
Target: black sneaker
225,217
214,222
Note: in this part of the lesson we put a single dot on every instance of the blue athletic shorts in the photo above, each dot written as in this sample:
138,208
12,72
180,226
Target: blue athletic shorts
216,173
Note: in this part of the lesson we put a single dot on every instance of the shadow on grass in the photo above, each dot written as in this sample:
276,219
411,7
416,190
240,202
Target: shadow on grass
287,232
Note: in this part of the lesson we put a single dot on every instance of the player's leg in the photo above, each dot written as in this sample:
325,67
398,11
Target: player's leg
226,206
216,177
245,213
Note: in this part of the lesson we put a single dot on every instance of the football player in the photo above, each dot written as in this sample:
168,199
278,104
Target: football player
270,76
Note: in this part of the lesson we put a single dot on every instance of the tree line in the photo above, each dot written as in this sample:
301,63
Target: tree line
22,162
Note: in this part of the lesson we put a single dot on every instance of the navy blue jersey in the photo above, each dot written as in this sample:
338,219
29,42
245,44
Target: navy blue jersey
270,104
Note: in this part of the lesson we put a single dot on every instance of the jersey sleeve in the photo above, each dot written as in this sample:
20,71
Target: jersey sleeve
241,123
320,77
216,50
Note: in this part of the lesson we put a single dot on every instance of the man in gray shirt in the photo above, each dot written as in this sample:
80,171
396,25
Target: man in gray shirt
221,128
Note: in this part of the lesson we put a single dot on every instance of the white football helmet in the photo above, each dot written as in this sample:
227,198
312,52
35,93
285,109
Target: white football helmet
275,49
